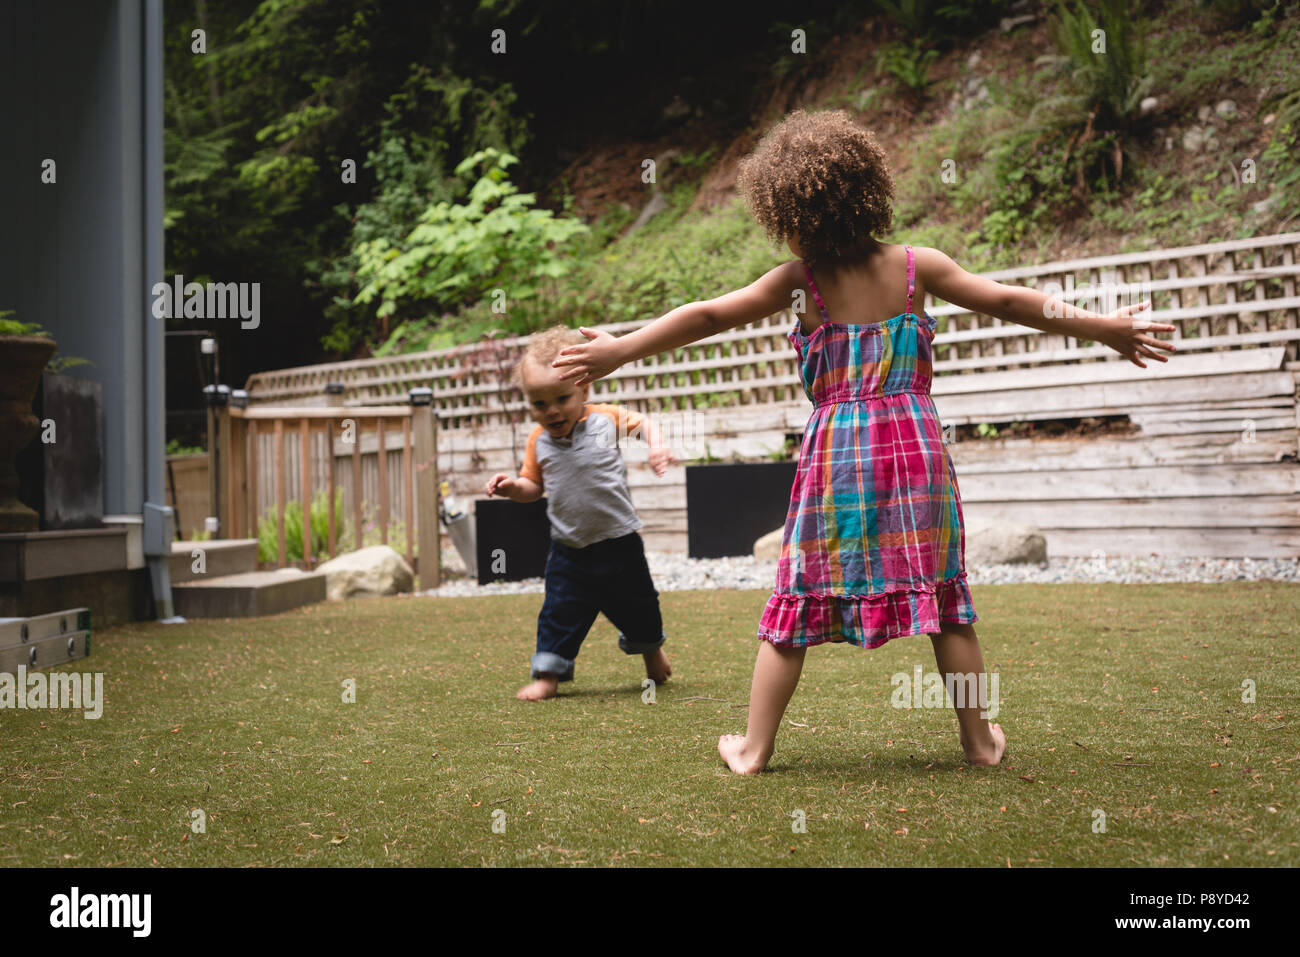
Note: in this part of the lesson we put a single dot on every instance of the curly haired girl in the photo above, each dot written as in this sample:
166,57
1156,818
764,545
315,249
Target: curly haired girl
874,545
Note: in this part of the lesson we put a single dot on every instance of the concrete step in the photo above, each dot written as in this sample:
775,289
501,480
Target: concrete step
248,595
221,556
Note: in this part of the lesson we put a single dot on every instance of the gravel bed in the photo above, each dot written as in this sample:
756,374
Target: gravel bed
674,572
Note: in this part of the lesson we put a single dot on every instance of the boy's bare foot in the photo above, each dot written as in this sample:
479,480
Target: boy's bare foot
544,687
739,758
992,752
657,668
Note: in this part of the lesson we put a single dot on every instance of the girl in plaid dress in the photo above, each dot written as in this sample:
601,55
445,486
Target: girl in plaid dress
873,546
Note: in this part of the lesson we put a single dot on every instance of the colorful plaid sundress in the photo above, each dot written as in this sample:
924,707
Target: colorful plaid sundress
873,545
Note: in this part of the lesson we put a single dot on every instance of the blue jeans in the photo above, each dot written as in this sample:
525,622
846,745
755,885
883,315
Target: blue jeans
610,577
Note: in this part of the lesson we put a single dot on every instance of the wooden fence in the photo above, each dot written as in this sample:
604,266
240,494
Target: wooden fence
1210,468
187,492
1226,296
269,457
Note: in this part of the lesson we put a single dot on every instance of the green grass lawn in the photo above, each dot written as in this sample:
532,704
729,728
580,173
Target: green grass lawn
1120,699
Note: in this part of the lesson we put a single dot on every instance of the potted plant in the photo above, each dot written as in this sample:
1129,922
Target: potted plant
25,350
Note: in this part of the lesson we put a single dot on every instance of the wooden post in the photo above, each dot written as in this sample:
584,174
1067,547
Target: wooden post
1175,300
332,482
408,516
238,472
304,473
1229,267
254,478
214,457
383,481
1202,294
279,489
424,426
358,538
1259,293
222,500
1290,318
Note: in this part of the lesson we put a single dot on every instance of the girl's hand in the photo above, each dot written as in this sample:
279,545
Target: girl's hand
501,484
660,459
1130,335
591,361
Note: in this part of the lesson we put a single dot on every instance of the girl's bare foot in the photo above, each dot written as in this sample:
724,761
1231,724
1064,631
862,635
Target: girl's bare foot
992,751
657,668
544,687
738,757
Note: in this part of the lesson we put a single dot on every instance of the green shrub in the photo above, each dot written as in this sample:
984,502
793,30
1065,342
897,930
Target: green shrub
1235,14
494,242
1281,158
12,327
1104,60
909,63
268,535
176,447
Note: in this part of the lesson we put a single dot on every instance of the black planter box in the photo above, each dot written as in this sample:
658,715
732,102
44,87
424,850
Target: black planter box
729,507
63,480
512,539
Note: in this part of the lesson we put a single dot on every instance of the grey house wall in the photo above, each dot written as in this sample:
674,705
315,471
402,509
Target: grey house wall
72,253
81,84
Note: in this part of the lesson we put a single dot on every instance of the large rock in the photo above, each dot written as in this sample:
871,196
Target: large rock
768,548
377,570
1003,543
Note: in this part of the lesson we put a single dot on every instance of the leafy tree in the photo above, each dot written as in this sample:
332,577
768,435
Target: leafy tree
496,244
410,168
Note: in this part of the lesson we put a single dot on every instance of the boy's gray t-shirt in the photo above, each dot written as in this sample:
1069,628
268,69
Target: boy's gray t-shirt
584,477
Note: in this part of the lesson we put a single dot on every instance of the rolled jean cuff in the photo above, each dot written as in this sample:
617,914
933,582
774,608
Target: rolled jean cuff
553,664
638,647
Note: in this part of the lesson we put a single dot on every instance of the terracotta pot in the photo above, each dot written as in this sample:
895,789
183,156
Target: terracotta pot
22,360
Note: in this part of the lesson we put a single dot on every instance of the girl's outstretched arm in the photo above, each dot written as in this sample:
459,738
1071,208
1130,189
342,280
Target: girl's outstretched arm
765,296
1121,330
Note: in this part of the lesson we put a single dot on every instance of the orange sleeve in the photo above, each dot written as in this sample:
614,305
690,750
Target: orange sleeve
531,469
625,420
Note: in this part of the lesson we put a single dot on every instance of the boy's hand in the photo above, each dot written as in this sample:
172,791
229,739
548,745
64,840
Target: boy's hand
590,361
660,459
502,484
1131,337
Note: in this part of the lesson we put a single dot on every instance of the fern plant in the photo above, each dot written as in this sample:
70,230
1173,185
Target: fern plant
13,327
1103,60
909,63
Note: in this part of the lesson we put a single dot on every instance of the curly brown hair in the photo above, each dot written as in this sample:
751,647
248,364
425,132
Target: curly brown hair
821,179
543,347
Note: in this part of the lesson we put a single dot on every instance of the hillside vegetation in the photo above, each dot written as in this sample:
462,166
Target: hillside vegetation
499,194
1018,147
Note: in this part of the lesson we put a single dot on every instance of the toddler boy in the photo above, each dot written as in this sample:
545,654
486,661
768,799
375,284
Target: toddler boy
597,559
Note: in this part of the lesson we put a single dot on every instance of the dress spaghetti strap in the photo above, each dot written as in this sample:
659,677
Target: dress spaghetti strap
911,285
911,277
817,296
